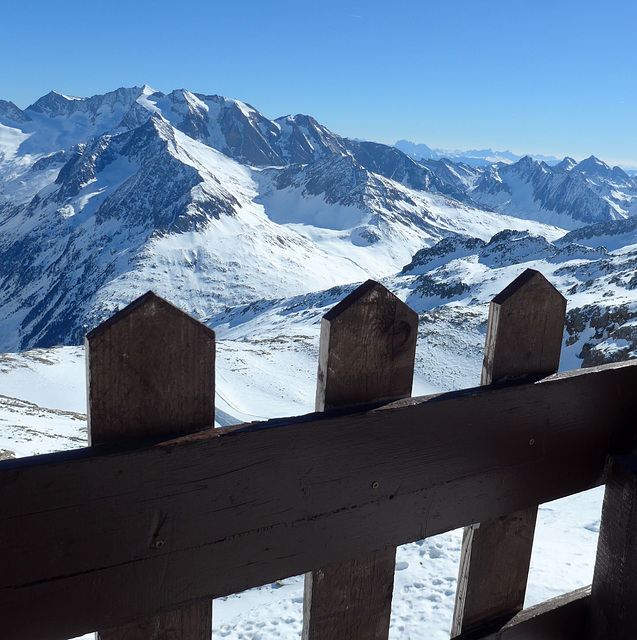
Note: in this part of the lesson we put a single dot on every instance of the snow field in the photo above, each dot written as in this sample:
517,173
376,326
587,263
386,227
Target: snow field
273,375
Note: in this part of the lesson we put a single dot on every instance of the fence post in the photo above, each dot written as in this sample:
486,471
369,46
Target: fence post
367,352
524,337
151,372
614,589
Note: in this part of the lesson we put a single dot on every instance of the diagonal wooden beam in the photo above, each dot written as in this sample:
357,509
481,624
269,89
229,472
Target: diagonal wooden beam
271,500
561,618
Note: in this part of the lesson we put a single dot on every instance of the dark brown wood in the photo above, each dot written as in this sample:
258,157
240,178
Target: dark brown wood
367,349
524,337
525,328
151,372
614,592
276,499
366,353
192,622
561,618
340,599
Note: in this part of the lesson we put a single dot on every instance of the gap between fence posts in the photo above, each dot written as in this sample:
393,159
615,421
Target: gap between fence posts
150,371
524,337
367,353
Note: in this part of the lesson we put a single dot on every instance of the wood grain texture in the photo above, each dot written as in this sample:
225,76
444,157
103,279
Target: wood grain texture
371,333
351,600
191,622
561,618
276,499
151,372
614,591
366,353
525,328
524,337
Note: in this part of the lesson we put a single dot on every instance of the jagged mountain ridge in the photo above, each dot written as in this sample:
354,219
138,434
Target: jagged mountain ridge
569,194
241,132
450,285
211,204
85,229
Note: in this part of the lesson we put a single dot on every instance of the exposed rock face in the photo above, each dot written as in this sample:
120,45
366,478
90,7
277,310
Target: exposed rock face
586,193
611,333
11,113
214,206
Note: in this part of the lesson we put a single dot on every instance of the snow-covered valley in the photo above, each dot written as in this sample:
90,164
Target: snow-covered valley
257,227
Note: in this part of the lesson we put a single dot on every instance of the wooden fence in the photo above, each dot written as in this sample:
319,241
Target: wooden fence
136,534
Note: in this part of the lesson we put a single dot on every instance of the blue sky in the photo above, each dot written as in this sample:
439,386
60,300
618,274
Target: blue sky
556,77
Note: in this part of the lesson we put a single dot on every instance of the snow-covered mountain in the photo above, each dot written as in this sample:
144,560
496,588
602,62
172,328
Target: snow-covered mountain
205,201
212,205
258,227
569,194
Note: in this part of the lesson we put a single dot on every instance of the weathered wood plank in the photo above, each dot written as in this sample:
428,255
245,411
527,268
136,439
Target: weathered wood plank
524,337
288,496
150,380
151,372
339,599
525,328
366,353
614,591
561,618
190,622
367,349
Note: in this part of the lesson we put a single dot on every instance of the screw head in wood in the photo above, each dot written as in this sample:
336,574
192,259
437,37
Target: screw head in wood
375,485
532,441
158,544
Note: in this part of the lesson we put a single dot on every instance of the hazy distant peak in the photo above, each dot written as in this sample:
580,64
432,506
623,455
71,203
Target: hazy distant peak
10,111
565,165
471,157
414,149
593,165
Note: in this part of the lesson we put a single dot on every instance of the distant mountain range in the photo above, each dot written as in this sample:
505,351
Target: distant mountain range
472,157
225,212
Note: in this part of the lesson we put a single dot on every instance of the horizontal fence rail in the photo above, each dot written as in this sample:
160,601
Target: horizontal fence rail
243,507
136,534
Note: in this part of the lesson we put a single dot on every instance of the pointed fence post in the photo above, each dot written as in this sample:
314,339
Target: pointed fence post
614,590
524,337
367,353
151,373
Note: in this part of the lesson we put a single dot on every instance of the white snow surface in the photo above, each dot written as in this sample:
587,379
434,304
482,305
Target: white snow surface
43,394
261,261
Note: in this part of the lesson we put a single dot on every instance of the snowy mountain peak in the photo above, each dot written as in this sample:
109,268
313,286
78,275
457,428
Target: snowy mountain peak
55,104
593,166
526,162
10,112
565,165
52,104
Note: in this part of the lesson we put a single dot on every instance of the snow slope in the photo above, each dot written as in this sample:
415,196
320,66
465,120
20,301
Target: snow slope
258,227
426,571
153,208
